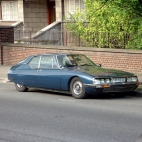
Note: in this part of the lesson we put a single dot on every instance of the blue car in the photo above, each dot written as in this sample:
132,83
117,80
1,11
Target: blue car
72,73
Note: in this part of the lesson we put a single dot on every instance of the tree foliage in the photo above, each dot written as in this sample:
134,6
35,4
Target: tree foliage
117,22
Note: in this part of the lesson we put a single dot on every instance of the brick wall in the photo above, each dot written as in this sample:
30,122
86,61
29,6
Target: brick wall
7,34
127,60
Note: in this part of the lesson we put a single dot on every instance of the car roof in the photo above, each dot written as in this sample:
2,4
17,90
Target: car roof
57,54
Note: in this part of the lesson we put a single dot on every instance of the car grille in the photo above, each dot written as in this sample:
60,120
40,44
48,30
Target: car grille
119,88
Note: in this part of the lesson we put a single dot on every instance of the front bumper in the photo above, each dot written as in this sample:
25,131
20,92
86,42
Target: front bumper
109,88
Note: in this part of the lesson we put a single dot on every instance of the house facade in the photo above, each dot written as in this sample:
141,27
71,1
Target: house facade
37,14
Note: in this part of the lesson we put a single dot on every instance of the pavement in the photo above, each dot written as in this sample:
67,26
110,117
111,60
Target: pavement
4,70
3,73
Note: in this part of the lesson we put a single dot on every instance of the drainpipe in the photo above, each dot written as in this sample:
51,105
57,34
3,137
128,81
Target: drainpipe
1,46
0,11
62,34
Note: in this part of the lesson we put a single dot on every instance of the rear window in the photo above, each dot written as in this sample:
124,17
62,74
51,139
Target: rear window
34,63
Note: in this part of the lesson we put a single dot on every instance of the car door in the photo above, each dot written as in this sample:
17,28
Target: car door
48,75
28,74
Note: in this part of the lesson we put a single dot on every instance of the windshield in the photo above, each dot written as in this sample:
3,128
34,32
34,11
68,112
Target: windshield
74,60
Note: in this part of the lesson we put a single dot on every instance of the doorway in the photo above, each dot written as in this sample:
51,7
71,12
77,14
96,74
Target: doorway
51,11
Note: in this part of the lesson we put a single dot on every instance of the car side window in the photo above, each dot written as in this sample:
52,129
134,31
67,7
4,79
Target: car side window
34,63
48,62
64,61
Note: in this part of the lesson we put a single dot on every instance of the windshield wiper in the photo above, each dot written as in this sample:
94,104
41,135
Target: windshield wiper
71,65
85,65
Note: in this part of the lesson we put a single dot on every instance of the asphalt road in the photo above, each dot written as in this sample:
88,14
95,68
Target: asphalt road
39,116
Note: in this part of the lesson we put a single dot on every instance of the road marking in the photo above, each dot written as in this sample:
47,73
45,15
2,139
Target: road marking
71,101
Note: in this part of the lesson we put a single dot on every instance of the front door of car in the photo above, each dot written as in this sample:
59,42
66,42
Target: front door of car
48,78
48,75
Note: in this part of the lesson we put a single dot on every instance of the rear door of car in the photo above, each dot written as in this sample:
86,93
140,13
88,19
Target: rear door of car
28,74
48,75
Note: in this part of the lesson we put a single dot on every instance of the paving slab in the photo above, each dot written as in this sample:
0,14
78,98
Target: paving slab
3,71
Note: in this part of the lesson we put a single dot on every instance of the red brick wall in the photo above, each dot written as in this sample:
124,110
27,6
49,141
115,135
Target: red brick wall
6,34
127,60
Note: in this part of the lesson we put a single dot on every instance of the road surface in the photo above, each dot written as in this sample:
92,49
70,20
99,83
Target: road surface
39,116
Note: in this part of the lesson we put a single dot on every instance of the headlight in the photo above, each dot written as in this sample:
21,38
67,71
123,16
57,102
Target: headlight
96,81
107,80
101,80
132,79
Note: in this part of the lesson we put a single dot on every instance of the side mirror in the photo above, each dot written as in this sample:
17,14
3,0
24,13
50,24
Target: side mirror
99,65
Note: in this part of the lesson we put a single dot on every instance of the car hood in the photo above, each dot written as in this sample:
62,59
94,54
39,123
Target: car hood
99,72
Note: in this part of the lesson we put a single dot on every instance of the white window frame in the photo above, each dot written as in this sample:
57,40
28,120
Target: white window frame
70,6
9,10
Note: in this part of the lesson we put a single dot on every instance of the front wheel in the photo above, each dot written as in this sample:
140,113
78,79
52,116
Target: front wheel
21,88
77,89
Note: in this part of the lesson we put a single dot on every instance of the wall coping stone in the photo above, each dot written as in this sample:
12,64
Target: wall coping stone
128,51
11,25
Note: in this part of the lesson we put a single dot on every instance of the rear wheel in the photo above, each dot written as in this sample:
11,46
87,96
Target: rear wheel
77,89
21,88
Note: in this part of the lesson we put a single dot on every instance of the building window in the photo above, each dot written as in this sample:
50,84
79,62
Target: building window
72,5
9,10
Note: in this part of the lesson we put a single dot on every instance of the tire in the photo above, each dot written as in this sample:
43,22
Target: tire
77,89
21,88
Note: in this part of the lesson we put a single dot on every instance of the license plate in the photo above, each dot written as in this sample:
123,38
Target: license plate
118,79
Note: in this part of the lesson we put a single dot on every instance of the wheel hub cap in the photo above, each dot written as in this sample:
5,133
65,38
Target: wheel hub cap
77,88
19,86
